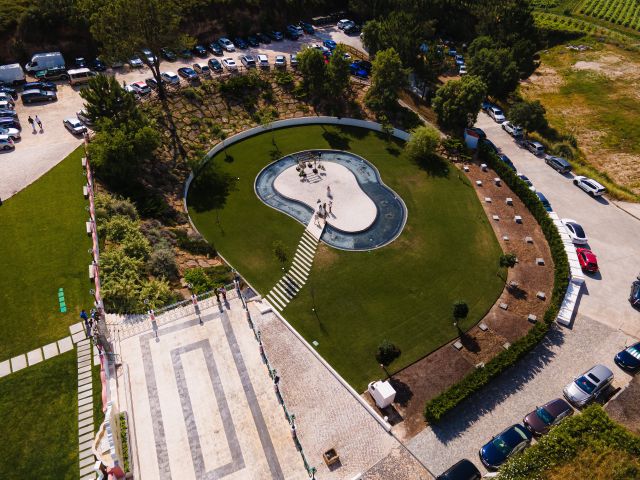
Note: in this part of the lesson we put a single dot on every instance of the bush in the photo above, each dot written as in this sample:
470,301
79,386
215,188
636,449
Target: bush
162,263
135,245
460,310
199,280
117,228
108,206
387,352
124,442
437,407
193,243
220,274
157,292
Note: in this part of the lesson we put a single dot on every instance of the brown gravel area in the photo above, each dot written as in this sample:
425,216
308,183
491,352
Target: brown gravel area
625,408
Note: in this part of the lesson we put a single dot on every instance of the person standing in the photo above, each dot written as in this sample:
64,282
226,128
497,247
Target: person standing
39,123
330,205
33,125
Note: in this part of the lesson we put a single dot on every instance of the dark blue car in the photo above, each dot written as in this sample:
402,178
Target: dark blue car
507,443
629,358
545,202
330,44
507,161
634,295
49,86
188,73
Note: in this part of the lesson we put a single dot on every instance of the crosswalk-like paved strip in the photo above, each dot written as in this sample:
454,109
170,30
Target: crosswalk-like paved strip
294,279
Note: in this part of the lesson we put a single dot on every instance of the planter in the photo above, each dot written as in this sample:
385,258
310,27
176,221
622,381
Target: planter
331,457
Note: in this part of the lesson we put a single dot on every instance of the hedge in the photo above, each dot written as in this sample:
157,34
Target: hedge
437,407
592,430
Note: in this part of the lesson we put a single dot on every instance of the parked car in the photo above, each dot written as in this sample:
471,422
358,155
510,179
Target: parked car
307,28
342,24
511,129
263,61
462,70
550,414
14,133
357,71
141,88
490,145
201,69
10,122
276,35
216,49
36,95
589,185
248,61
151,83
56,73
480,132
534,147
170,78
629,358
253,41
504,445
229,64
463,470
263,38
575,230
148,56
8,113
215,65
84,117
227,45
6,143
486,105
97,65
293,60
496,114
240,43
135,62
292,33
330,44
589,386
168,54
200,51
280,61
588,260
526,180
352,29
557,163
9,90
545,203
459,59
80,62
634,295
187,54
506,160
7,104
51,87
188,73
74,125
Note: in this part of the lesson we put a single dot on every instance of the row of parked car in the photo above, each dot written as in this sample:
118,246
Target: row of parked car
593,385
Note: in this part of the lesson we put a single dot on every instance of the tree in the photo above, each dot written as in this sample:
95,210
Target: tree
458,102
508,260
423,143
460,310
497,69
388,77
123,29
338,74
530,115
313,69
199,280
387,352
105,98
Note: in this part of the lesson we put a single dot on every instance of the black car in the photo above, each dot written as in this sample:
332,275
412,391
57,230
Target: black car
629,358
634,295
80,62
56,73
8,113
168,55
352,29
51,87
292,33
200,51
186,53
97,65
276,35
463,470
215,65
507,443
9,90
151,83
188,73
9,122
262,38
253,41
240,43
215,48
36,95
307,28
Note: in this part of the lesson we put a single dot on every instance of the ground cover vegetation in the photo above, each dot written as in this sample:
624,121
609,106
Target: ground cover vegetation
355,300
588,445
43,247
39,429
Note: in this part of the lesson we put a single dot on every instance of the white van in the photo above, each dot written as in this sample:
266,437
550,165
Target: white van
11,74
44,61
79,75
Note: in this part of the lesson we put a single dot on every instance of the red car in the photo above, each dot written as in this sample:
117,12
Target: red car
587,259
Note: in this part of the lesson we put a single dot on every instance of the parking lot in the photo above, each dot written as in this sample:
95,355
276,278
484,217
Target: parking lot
37,153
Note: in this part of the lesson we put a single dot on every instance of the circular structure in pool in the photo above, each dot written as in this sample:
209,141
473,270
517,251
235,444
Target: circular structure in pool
362,213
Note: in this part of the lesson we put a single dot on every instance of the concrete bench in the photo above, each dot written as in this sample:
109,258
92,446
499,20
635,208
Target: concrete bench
92,272
89,229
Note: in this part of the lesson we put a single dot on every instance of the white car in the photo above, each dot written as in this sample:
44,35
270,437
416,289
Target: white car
462,70
5,97
149,56
230,64
141,88
171,78
202,69
344,23
84,117
511,129
263,61
496,114
589,185
322,48
135,62
280,62
6,105
526,180
227,44
14,133
575,231
74,125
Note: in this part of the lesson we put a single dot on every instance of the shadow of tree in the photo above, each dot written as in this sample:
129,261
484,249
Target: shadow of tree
454,423
469,342
517,292
434,166
210,189
335,140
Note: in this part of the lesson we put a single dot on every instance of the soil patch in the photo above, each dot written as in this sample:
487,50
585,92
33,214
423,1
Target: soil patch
625,408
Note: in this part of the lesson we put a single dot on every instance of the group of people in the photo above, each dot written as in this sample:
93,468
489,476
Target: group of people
33,123
88,320
324,210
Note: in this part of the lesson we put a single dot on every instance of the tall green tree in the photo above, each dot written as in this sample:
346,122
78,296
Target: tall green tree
313,69
530,115
106,99
498,70
123,28
338,74
423,143
458,102
387,79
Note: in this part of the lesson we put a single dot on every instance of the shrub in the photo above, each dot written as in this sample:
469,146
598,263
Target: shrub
124,442
162,263
192,94
107,206
284,78
193,243
157,292
460,310
437,407
135,245
387,352
220,274
117,228
199,280
508,260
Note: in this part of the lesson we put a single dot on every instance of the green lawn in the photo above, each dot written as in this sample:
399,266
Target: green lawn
403,292
98,416
39,427
43,246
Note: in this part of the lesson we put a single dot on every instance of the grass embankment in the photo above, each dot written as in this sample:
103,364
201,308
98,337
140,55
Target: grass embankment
403,292
43,246
39,427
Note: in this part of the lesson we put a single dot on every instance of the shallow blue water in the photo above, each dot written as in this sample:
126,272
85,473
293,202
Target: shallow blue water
390,219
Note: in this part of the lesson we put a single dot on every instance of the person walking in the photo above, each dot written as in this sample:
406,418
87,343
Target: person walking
39,123
217,291
33,125
328,191
330,205
223,291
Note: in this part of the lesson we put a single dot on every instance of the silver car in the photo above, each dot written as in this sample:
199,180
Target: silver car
74,126
588,386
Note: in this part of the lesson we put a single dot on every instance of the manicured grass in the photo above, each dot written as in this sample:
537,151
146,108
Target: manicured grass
43,246
403,292
39,427
98,416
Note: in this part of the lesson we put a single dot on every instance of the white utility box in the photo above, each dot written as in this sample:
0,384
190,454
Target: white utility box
382,392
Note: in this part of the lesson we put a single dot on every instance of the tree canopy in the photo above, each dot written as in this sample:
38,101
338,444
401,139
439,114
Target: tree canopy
498,70
387,78
530,115
458,102
105,98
